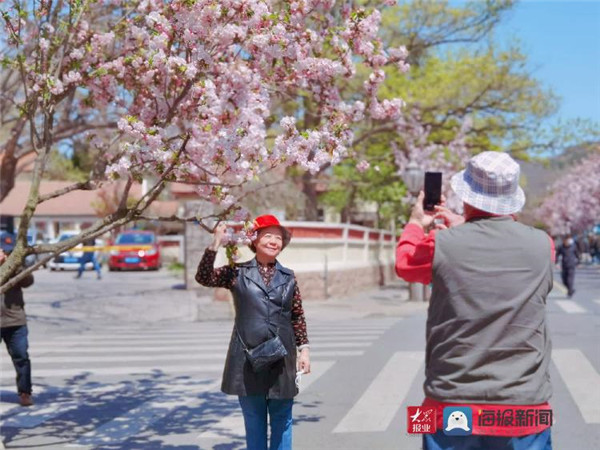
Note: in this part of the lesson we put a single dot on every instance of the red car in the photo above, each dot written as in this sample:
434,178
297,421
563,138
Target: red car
135,250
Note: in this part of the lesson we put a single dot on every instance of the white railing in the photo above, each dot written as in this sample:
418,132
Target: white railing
317,246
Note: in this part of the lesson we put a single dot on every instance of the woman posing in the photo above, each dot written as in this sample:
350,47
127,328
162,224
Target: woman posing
267,304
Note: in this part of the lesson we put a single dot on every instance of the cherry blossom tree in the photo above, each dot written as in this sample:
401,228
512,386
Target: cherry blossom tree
183,90
574,203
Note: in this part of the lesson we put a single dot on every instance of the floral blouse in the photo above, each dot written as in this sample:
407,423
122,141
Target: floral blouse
225,277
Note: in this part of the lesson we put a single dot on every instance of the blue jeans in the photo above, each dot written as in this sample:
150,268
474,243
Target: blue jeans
86,258
439,441
254,409
16,344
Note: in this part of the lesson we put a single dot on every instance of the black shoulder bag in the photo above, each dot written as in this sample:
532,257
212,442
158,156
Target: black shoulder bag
265,354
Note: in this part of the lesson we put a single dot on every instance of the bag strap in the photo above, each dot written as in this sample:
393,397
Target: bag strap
245,347
240,338
276,332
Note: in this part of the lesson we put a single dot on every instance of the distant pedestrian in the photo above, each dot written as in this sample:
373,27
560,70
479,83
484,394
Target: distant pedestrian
13,328
267,304
569,256
583,245
89,256
594,248
488,346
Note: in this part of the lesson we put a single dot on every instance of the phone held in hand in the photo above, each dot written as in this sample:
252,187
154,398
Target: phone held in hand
433,190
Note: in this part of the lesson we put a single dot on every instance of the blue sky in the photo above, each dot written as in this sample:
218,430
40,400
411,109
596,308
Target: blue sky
562,39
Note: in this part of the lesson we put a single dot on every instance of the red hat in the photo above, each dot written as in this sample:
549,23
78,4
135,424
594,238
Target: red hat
268,220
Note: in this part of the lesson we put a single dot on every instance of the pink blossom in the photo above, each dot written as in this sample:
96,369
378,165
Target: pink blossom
362,166
197,83
76,53
573,204
72,77
44,44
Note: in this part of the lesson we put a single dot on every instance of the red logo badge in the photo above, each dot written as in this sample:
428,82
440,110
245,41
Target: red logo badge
421,420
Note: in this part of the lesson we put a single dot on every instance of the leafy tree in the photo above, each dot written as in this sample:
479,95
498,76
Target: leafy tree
465,93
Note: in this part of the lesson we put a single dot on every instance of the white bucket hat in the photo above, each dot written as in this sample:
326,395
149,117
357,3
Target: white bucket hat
490,183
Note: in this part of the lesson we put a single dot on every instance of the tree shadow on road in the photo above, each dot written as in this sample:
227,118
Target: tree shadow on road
151,411
135,413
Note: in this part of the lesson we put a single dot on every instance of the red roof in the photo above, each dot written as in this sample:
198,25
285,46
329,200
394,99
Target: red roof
74,203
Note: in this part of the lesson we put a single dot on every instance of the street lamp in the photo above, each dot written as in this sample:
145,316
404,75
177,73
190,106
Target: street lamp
413,177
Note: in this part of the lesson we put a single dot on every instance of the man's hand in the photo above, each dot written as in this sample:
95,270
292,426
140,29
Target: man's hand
449,218
303,362
419,216
2,256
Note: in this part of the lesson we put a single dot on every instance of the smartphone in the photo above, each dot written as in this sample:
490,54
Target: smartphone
433,190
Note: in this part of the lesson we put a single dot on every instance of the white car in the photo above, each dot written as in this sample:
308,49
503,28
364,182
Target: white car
69,260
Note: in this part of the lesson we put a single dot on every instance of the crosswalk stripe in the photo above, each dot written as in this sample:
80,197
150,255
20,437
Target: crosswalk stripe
199,336
232,425
193,340
141,417
182,356
559,287
200,333
215,365
71,372
582,381
376,408
570,307
36,417
190,348
7,409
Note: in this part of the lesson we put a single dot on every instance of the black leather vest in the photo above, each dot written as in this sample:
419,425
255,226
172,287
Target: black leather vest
261,312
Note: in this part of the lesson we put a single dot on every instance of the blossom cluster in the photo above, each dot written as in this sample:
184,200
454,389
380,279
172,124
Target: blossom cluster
192,85
573,205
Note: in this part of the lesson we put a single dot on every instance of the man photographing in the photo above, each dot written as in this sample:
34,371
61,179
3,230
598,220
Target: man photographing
488,346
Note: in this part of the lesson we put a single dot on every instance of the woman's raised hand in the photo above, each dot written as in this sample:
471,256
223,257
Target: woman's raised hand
218,236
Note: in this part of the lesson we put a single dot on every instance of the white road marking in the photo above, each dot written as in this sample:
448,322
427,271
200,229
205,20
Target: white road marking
560,287
71,372
570,307
190,341
191,349
203,334
582,381
180,356
37,414
378,405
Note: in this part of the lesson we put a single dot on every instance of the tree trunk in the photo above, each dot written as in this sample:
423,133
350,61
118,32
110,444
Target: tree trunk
8,170
311,204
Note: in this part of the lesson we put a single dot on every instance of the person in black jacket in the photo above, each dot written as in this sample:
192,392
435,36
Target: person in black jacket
568,254
13,328
267,303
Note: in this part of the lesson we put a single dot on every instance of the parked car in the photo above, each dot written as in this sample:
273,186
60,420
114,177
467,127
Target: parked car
69,260
135,249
